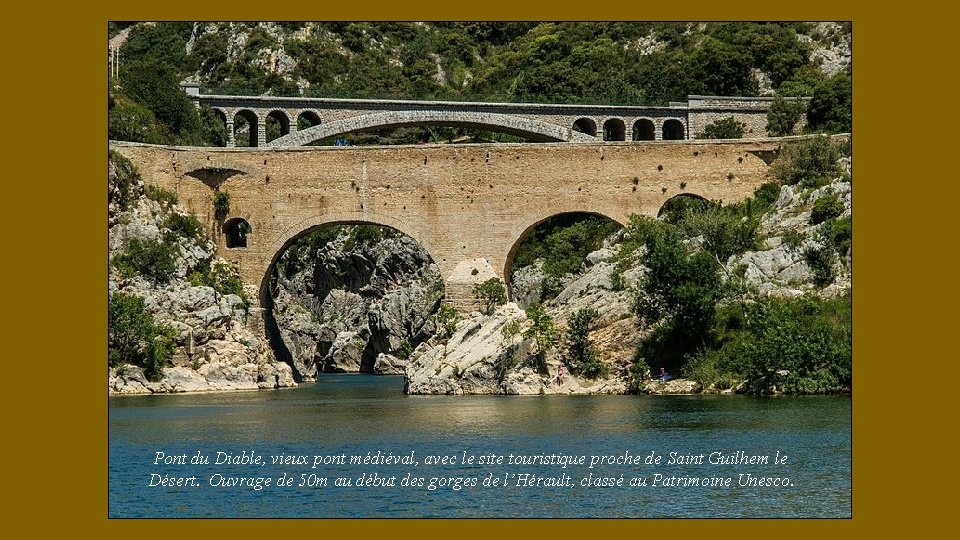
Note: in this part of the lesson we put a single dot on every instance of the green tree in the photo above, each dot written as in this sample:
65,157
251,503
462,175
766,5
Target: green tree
581,354
133,336
543,332
831,107
783,116
491,294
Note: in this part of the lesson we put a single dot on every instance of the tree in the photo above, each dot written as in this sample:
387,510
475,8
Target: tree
831,107
783,116
543,332
581,355
491,293
725,128
133,336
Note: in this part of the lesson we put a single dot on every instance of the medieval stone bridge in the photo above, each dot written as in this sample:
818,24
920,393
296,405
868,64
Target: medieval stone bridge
467,205
302,120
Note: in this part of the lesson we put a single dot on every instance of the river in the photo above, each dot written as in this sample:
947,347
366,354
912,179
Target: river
719,443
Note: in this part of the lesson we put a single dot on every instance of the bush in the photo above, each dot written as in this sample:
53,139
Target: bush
822,260
149,258
185,225
543,332
223,278
783,116
133,336
491,294
725,128
793,239
806,162
563,242
831,107
221,205
826,207
446,320
808,336
127,177
165,197
581,354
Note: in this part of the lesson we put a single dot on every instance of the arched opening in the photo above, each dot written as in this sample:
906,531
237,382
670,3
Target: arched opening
339,295
235,231
585,125
678,206
551,252
307,119
245,127
217,119
643,130
614,130
277,125
672,130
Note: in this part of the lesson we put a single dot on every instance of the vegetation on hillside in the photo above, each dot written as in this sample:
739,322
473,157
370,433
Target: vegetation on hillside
629,63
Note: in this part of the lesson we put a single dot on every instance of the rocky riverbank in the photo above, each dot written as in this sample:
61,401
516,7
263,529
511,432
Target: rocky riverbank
214,346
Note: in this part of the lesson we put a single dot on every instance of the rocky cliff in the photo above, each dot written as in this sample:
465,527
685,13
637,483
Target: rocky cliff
345,295
214,347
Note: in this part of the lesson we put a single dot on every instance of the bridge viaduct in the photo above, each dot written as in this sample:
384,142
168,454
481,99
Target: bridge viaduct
467,205
327,117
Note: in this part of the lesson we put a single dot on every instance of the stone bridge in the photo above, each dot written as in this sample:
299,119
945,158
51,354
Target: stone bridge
467,205
328,117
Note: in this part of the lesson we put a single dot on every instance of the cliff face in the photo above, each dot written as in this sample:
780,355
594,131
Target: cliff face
345,295
213,347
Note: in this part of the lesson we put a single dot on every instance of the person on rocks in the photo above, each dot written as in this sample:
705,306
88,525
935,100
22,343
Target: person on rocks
560,375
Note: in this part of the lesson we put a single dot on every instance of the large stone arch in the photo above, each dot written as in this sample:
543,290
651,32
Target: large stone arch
522,230
534,130
275,247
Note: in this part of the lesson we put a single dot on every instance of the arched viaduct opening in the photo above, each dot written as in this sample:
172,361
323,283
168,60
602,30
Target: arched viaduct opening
277,125
643,130
672,130
245,128
551,248
338,294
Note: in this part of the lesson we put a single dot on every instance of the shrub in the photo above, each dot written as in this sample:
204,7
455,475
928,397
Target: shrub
133,336
491,294
543,332
793,239
822,260
725,128
831,107
581,354
127,176
563,242
826,207
185,225
446,320
149,258
221,205
783,116
165,197
806,162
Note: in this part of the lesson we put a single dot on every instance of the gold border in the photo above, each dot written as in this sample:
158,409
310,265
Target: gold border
58,453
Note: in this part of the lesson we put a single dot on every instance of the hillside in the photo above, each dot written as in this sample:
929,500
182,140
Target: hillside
611,63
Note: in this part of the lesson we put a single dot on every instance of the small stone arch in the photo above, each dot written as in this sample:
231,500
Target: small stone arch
252,121
277,124
235,232
523,230
672,208
614,130
673,130
644,130
585,125
307,119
